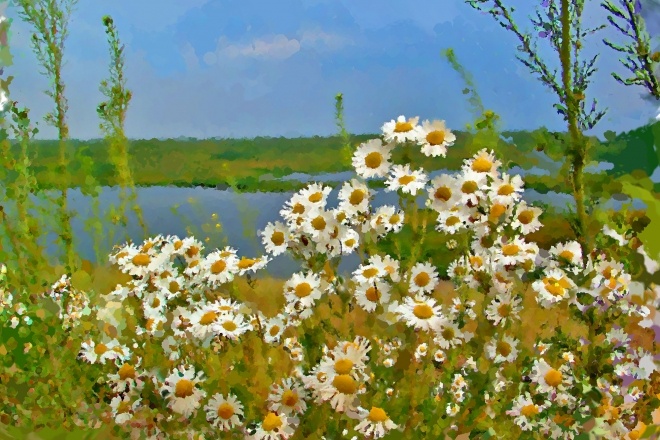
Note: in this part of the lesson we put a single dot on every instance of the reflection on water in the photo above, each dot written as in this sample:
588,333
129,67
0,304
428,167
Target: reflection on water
240,215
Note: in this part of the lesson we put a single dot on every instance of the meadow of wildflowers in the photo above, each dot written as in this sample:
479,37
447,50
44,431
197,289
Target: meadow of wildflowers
508,340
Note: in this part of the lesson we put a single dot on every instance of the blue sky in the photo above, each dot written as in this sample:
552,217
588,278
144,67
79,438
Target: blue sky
245,68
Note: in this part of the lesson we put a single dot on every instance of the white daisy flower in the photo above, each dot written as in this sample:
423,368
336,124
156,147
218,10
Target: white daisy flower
92,352
526,412
320,224
376,424
354,197
295,210
126,378
387,265
288,398
471,185
246,265
435,137
180,388
506,190
423,278
154,303
421,313
231,326
368,273
401,130
386,219
483,163
372,159
273,427
503,308
369,294
502,349
303,288
569,252
224,413
549,379
273,329
526,218
341,390
452,221
349,239
409,182
553,287
276,237
444,193
124,406
448,335
511,252
315,195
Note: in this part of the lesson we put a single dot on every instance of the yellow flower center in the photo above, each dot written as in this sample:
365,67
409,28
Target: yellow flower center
436,137
173,287
505,190
298,208
208,318
343,366
504,310
225,411
319,223
303,290
403,127
141,260
373,160
147,246
194,250
184,388
448,333
230,326
377,415
526,217
289,398
99,349
451,221
510,249
155,302
553,378
469,187
566,254
370,272
503,348
497,210
405,180
345,384
246,263
126,372
277,238
350,243
396,218
422,279
423,311
372,294
357,196
482,165
218,267
316,197
529,410
443,193
274,330
177,245
271,422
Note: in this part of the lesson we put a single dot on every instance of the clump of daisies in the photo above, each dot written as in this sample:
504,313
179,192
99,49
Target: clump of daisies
483,339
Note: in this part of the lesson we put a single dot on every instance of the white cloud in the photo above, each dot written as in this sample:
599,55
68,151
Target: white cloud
317,38
275,47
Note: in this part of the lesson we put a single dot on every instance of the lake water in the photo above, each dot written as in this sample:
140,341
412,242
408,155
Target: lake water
240,215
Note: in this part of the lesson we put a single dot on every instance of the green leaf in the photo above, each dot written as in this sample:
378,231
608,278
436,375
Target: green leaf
651,235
